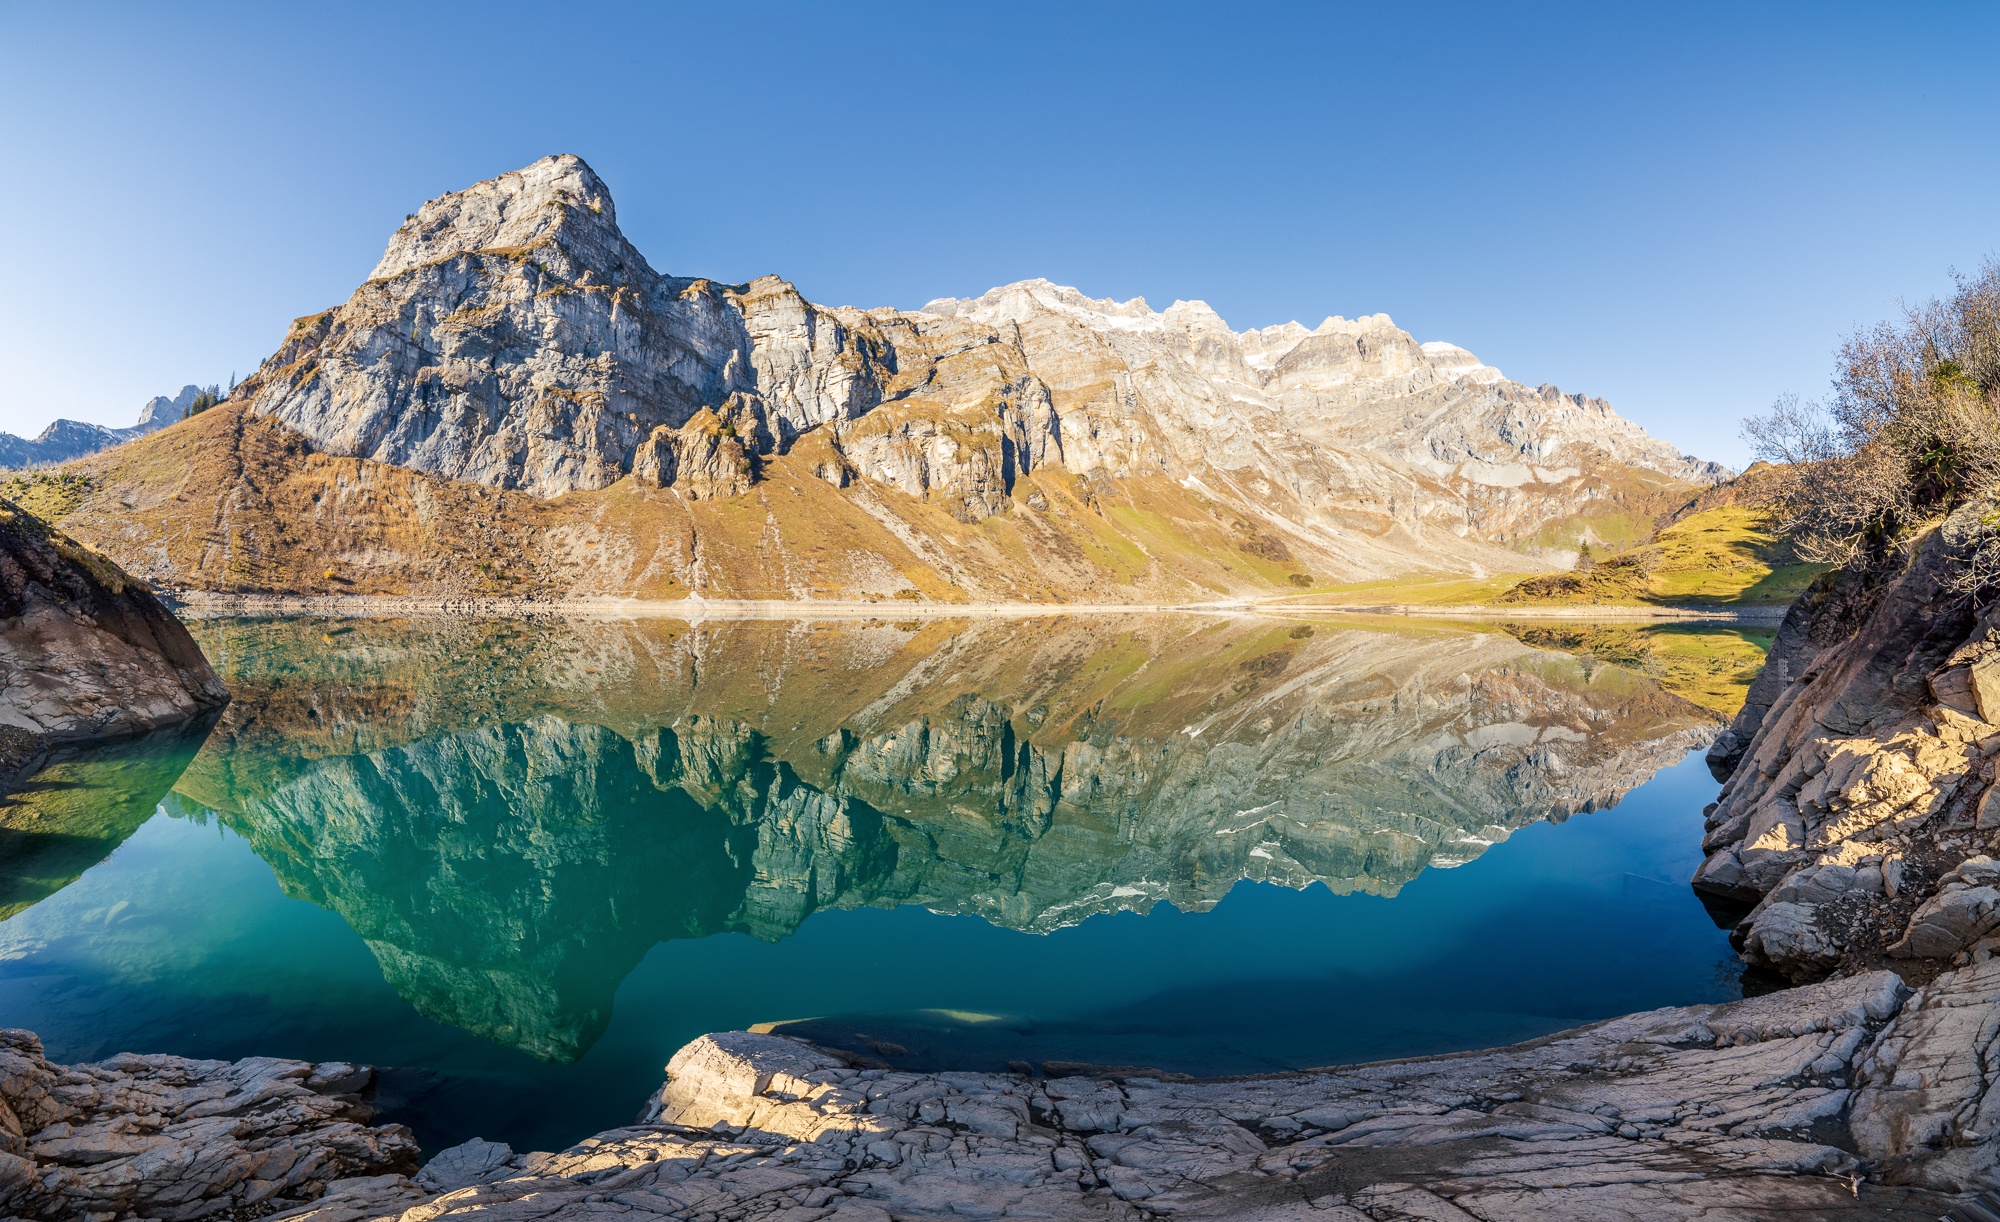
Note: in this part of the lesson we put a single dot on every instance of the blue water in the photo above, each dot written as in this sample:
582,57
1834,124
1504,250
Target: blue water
183,940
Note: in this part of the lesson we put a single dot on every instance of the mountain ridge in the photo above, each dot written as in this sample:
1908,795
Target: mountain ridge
66,439
513,339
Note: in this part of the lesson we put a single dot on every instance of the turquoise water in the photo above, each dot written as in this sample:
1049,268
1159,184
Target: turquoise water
519,865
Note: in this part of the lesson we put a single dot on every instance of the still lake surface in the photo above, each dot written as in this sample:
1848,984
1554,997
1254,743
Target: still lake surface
518,864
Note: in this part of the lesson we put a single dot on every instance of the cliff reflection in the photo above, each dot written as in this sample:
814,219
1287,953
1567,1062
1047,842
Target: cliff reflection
512,814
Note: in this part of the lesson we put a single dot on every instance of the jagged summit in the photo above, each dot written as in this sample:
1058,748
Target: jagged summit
556,200
64,440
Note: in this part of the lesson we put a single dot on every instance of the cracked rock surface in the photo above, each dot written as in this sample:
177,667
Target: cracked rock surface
170,1138
1851,1098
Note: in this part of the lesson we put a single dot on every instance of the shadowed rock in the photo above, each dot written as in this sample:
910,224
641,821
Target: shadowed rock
86,652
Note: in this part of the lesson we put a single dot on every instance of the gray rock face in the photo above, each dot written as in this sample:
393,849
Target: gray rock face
1859,809
85,651
171,1138
1851,1099
511,336
67,439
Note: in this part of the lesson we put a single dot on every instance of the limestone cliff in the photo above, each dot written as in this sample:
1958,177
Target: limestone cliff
85,651
1857,821
512,339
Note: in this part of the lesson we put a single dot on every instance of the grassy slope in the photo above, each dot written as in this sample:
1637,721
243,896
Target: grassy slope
1420,592
229,504
1725,556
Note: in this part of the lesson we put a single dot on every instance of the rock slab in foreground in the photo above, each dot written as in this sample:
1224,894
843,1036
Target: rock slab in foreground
1848,1099
172,1138
85,650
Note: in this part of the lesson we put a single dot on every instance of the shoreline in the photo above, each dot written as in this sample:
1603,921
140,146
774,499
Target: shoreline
1785,1104
695,609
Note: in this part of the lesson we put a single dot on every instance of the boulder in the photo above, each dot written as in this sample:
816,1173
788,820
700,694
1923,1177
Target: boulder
86,651
1875,755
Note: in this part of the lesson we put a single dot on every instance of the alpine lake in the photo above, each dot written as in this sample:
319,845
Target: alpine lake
517,863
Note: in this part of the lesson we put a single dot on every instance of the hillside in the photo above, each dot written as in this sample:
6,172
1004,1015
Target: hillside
1721,549
516,392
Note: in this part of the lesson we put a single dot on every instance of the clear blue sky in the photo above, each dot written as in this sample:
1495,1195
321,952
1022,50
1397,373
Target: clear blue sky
1681,208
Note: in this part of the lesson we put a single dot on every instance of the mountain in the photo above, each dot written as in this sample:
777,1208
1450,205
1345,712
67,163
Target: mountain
515,386
511,820
67,439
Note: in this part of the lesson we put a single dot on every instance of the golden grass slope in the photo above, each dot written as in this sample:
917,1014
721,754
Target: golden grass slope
1726,556
230,503
1706,664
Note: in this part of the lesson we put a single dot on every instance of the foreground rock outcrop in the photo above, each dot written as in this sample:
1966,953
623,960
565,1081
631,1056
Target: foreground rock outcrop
171,1138
1857,821
85,651
1849,1099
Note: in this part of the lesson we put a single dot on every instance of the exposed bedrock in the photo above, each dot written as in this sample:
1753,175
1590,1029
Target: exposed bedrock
1849,1099
85,650
172,1138
1858,819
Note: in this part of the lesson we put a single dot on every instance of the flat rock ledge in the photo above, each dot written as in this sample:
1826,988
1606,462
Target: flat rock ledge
169,1138
1853,1098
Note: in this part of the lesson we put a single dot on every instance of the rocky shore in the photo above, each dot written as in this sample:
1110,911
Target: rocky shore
172,1138
1855,832
1854,1098
1857,822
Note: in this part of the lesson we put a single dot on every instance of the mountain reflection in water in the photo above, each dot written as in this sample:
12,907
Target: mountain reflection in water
511,814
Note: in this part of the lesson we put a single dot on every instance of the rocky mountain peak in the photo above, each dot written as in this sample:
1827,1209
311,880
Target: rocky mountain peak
556,199
161,411
511,336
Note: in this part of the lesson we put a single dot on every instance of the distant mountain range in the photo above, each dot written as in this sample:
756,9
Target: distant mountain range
517,390
67,439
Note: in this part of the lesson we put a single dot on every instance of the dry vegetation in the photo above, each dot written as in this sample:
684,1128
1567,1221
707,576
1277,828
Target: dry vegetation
228,503
1911,432
1708,665
1726,556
